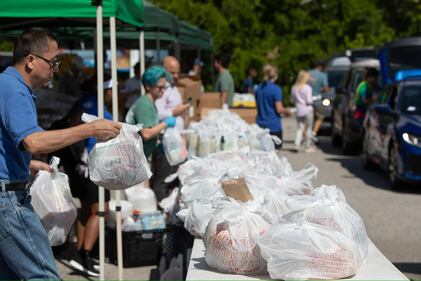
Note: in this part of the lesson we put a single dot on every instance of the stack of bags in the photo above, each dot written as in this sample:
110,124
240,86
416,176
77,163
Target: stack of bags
222,130
274,220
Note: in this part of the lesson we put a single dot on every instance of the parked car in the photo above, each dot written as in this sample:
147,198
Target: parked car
345,130
392,138
359,54
336,69
6,59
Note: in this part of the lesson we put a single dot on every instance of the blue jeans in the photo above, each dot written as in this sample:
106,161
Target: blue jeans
25,252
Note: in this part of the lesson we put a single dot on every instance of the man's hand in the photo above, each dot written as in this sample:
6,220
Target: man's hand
180,109
36,166
105,129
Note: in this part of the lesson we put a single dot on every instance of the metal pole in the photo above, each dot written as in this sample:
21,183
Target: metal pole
158,47
177,50
142,59
100,92
113,45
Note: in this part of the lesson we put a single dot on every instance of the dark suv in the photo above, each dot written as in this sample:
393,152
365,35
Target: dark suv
345,129
336,69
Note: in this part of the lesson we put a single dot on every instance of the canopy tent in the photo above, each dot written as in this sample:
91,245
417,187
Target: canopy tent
67,12
72,24
81,13
194,37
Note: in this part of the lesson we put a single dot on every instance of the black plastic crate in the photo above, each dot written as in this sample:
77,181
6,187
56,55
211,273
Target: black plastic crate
140,248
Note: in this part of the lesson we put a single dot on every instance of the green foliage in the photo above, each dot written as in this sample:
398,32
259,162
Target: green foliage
292,33
6,46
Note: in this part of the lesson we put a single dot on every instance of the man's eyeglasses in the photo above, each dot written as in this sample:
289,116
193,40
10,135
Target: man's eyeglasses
54,63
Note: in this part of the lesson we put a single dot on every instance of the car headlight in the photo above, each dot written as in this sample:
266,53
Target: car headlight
411,139
326,102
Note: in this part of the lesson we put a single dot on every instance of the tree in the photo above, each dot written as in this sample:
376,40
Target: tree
292,33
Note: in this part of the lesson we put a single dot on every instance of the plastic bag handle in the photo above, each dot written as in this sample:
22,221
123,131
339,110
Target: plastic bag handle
54,162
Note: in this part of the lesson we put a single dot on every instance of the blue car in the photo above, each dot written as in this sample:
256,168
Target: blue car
392,130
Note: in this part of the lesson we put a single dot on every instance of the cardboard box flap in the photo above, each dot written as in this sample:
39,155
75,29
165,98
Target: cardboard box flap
237,189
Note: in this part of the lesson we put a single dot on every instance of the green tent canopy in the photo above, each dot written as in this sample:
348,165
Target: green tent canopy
70,19
13,10
192,36
157,19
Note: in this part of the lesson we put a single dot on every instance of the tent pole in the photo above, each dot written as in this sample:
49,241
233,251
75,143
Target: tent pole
158,48
113,45
177,50
100,92
142,59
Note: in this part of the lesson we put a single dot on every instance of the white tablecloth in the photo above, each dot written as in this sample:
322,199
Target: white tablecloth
377,267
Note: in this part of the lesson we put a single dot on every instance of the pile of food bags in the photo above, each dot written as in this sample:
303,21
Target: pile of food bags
223,130
287,227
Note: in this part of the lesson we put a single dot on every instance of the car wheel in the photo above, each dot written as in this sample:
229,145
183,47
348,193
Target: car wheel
346,147
336,139
393,168
367,163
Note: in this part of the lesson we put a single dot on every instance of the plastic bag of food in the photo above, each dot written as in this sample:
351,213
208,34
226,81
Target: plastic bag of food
231,240
330,209
308,251
53,202
196,217
174,147
300,183
118,163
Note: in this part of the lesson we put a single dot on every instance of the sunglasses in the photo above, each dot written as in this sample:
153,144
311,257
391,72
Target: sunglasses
54,63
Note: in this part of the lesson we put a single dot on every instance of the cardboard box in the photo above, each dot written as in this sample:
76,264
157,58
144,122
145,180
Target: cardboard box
210,100
237,189
190,88
248,114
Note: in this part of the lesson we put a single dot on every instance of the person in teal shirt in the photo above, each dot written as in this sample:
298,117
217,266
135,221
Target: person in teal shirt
364,94
319,84
225,83
144,112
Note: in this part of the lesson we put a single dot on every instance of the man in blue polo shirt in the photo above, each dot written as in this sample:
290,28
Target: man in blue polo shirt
25,252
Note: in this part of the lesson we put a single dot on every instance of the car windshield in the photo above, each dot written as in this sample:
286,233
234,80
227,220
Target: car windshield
411,99
401,58
335,77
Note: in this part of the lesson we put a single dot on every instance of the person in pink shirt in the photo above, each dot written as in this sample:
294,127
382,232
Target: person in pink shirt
302,97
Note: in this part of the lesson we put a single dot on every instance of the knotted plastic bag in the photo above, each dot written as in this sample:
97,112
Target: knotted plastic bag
303,251
231,240
53,202
174,147
118,163
328,207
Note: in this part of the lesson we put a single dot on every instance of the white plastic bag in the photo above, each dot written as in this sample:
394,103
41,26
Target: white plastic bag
231,240
142,198
330,209
196,218
53,202
300,183
174,147
118,163
308,251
